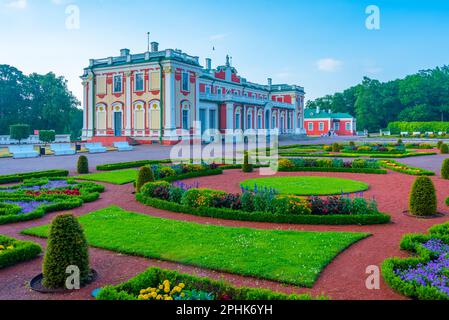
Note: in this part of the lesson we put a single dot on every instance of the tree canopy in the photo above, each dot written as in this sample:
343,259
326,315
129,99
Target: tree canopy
423,96
42,101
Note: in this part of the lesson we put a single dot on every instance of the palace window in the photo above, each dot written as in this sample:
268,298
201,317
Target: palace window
337,126
249,121
185,119
139,116
154,81
259,121
237,120
219,91
118,84
185,81
348,126
139,82
321,126
155,116
310,126
274,122
208,90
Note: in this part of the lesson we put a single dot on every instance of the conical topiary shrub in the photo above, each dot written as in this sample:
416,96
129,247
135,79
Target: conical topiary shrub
445,169
247,167
145,175
423,199
67,246
439,144
83,165
444,148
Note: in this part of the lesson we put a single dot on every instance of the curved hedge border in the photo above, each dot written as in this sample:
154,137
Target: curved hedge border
89,192
19,177
350,170
229,214
23,251
195,174
154,276
129,165
412,243
422,172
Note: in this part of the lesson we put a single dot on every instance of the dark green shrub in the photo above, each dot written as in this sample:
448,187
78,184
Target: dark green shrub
247,200
400,142
423,199
447,201
247,167
19,132
19,251
444,148
439,144
83,165
67,246
145,175
445,169
352,144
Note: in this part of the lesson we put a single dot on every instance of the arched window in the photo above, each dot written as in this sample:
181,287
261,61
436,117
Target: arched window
238,119
101,116
185,115
139,115
154,113
259,120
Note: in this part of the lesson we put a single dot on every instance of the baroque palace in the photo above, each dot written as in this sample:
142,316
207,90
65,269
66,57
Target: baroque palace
158,96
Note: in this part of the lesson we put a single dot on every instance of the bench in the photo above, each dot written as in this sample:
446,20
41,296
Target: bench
62,149
96,147
22,152
123,146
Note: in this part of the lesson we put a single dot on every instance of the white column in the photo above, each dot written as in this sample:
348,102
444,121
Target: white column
91,104
169,102
85,110
128,105
229,117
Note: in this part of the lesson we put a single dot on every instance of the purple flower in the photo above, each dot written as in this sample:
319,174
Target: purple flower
28,206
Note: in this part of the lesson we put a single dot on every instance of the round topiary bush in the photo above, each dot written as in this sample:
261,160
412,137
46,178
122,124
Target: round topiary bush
145,175
423,199
400,142
445,169
444,148
83,165
67,246
247,167
439,144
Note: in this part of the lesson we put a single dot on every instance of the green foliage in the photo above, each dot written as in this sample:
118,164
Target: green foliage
221,290
83,165
19,132
398,126
336,147
403,168
145,175
423,199
439,144
247,167
20,251
67,246
47,136
445,169
129,165
10,178
400,142
444,148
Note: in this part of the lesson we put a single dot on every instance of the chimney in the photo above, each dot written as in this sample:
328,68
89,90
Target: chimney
330,111
124,52
154,47
270,82
318,110
208,64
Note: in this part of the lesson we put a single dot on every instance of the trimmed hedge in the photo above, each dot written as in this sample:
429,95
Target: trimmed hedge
412,243
19,177
350,170
129,165
398,127
444,149
228,214
414,171
154,276
23,251
195,174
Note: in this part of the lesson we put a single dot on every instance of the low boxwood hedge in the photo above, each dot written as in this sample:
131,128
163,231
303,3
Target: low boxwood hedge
129,165
406,169
413,244
194,174
19,177
350,170
21,251
228,214
220,289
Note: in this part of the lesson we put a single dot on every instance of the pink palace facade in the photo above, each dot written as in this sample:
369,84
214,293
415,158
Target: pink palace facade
157,96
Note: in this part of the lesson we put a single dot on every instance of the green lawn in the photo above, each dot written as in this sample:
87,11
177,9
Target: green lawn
307,186
114,177
285,256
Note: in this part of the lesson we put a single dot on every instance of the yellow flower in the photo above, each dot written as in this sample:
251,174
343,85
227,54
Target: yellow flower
159,297
142,291
181,285
2,247
10,248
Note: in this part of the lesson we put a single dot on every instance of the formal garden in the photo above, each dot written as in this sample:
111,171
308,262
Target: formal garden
281,237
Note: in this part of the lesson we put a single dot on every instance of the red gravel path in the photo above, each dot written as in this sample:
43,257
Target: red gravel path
344,278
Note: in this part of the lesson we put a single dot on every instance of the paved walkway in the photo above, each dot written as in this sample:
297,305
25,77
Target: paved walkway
344,278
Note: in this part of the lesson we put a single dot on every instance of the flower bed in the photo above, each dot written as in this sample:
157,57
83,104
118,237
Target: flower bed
403,168
34,198
19,177
13,251
145,285
263,205
424,276
331,165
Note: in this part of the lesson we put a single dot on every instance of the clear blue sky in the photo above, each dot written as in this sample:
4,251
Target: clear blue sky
322,45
